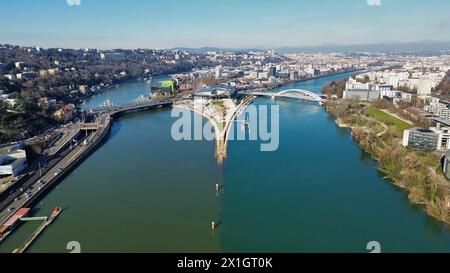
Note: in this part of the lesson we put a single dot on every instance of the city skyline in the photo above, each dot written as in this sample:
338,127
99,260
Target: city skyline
230,24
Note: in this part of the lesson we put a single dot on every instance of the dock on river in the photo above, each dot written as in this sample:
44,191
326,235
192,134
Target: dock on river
56,212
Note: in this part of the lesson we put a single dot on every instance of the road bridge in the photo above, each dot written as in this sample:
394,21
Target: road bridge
301,94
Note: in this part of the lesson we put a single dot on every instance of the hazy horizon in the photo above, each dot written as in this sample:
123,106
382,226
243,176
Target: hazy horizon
397,45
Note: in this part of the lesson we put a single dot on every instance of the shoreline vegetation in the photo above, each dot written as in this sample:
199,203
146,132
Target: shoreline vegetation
418,173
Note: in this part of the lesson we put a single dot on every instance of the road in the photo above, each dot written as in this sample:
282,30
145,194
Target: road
47,161
69,134
35,183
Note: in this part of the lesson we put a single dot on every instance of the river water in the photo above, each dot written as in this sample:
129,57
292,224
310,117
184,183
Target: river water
143,192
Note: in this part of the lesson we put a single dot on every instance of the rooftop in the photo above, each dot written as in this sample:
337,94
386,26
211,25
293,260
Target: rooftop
442,121
220,90
422,130
12,156
16,217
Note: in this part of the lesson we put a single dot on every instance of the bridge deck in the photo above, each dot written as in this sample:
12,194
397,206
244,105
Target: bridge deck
291,93
132,107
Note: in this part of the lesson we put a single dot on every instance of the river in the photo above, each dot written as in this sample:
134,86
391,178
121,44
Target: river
143,192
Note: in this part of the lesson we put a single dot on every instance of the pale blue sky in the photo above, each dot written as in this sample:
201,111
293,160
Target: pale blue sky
220,23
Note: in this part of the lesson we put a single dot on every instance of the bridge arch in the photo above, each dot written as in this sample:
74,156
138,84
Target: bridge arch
299,93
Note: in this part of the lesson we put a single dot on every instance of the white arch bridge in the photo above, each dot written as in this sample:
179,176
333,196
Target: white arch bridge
291,93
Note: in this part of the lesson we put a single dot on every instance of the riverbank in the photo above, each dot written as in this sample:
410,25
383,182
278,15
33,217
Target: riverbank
417,173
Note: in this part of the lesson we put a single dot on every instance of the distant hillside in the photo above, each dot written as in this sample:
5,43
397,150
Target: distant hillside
422,46
202,50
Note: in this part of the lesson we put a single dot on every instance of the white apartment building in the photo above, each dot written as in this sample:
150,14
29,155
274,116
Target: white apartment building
396,95
219,72
425,86
438,109
394,78
353,85
360,91
444,137
371,91
423,81
112,57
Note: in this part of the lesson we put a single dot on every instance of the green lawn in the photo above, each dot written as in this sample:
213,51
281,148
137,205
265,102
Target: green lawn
387,119
218,103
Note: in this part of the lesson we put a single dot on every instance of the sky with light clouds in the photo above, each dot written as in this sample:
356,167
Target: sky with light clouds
73,2
220,23
370,2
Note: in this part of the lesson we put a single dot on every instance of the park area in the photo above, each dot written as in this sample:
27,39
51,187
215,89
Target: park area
387,119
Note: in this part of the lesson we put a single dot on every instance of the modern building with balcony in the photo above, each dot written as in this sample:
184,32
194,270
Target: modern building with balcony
421,139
